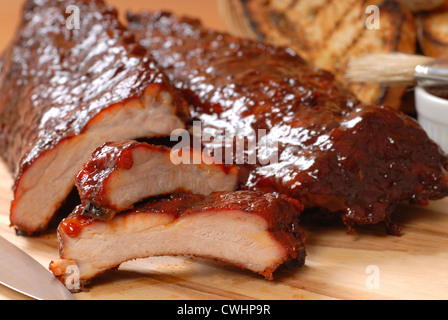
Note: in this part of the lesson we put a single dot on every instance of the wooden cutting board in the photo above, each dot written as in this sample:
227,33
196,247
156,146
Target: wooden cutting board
367,265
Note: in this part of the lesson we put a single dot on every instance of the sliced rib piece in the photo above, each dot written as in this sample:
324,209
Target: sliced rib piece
334,152
252,230
120,174
65,92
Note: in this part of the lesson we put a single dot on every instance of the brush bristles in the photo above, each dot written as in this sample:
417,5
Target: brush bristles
388,68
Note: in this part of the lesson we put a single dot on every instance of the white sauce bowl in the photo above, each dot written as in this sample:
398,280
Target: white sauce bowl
432,113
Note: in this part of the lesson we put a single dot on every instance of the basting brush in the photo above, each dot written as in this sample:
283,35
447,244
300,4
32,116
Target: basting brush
397,69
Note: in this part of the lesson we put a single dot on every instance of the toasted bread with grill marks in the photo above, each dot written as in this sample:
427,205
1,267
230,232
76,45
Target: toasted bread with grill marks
328,33
433,32
422,5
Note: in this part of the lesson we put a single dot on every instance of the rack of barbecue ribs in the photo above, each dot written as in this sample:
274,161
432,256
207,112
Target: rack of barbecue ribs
252,230
123,173
64,92
356,160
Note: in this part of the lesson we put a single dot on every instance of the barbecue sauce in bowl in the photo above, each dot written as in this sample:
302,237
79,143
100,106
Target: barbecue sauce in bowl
440,91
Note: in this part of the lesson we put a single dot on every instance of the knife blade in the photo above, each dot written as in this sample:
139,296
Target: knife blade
22,273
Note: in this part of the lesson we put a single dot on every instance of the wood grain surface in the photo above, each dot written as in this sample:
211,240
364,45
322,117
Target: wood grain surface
413,266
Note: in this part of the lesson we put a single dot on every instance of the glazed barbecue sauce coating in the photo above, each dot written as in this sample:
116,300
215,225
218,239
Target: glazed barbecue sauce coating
105,159
334,152
73,225
55,80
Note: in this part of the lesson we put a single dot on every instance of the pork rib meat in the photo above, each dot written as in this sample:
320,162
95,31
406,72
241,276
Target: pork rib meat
122,173
252,230
334,152
64,92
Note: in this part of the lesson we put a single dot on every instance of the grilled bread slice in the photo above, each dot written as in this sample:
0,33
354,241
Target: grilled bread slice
328,33
422,5
433,32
